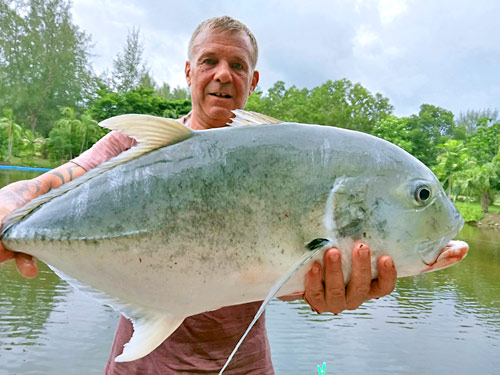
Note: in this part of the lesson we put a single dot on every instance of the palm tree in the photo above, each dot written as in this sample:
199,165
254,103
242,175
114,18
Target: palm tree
13,131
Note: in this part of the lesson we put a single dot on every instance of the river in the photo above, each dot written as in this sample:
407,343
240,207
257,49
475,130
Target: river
446,322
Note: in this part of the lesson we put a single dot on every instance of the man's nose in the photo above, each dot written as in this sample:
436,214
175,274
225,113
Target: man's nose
223,72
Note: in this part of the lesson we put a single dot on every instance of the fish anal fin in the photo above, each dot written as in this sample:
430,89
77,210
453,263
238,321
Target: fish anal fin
245,118
149,332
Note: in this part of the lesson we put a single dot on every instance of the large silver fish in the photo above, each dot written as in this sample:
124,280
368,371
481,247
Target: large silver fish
190,221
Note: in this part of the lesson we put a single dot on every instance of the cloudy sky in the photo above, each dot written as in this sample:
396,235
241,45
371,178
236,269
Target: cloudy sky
440,52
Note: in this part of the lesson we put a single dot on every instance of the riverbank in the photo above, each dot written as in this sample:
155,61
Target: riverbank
490,220
36,162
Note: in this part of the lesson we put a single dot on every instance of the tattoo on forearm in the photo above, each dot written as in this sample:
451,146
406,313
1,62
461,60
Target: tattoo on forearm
59,175
70,171
17,194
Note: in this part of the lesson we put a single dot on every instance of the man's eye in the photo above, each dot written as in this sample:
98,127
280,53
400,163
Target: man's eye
209,61
237,66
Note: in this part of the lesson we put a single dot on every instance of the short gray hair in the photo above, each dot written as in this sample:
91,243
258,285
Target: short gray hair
225,24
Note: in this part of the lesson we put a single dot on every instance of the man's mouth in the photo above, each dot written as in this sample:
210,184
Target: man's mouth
221,95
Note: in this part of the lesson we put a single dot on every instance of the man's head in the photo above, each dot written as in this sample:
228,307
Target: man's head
220,70
225,24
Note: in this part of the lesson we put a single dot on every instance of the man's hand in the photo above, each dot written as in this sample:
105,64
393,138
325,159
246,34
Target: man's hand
18,194
333,296
12,197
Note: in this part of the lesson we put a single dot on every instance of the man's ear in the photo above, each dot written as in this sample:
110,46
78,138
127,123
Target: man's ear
255,80
187,71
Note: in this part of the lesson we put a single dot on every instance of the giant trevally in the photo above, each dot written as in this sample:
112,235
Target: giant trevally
190,221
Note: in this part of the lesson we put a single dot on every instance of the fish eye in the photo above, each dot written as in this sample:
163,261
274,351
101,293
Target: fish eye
423,194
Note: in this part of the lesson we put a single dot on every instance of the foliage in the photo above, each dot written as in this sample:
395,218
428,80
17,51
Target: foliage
10,135
481,181
471,119
394,130
141,100
32,147
339,103
129,71
484,144
453,161
15,141
470,213
431,127
43,61
71,136
177,93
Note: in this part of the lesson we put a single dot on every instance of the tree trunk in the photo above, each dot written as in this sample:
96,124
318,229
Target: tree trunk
485,201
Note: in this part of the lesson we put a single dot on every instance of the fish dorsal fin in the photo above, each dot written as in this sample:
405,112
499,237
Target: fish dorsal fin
150,132
244,118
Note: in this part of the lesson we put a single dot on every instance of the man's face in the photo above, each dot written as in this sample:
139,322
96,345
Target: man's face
220,75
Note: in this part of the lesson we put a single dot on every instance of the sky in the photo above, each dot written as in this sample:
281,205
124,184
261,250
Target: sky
440,52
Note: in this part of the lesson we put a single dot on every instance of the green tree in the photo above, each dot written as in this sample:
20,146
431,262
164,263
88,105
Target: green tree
338,103
70,136
481,181
43,61
470,120
431,127
394,130
140,100
129,70
32,146
11,134
178,93
484,143
453,161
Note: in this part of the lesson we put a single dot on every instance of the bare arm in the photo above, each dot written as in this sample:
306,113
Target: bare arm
19,193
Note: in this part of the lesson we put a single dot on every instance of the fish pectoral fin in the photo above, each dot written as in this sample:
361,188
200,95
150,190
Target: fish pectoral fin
149,332
244,118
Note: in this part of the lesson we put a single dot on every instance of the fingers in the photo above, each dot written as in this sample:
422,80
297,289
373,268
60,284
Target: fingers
5,254
315,290
26,265
386,281
332,295
334,282
358,289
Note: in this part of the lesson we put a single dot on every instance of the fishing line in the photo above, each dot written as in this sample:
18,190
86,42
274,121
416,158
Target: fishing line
272,293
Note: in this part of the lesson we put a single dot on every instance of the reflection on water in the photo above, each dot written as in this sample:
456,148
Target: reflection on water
441,322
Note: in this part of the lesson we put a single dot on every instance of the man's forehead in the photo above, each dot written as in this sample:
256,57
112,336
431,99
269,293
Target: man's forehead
209,39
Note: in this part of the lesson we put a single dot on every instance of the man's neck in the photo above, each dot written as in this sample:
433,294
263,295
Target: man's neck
198,124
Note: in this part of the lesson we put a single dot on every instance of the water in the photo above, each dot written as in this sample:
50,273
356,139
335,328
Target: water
442,322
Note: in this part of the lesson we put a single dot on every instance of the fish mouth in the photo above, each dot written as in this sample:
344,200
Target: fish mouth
452,253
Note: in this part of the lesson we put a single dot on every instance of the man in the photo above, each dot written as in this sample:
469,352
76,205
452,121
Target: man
221,74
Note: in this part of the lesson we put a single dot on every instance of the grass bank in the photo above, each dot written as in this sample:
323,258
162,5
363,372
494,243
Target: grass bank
472,213
36,162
